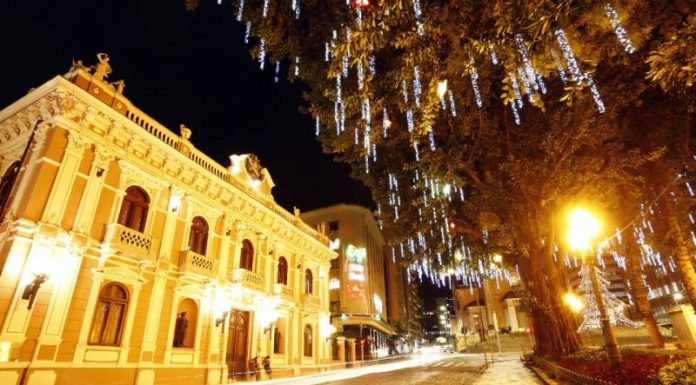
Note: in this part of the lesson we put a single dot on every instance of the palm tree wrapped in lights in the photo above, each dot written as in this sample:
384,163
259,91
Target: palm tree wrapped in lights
615,307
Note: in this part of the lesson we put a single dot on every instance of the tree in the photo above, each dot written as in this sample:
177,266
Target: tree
534,117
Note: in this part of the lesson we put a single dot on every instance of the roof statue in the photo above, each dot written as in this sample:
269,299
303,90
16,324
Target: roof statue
103,68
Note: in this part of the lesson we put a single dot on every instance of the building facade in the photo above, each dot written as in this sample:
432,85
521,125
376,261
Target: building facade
126,253
357,289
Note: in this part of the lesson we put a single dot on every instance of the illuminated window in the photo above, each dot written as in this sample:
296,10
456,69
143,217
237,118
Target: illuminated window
109,316
309,282
198,238
282,271
134,209
246,260
308,341
334,283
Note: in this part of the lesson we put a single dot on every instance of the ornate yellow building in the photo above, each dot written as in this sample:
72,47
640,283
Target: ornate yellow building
128,256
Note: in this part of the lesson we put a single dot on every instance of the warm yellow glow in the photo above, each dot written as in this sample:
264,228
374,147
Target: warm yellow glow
574,302
497,258
678,296
174,203
442,88
267,312
583,228
458,256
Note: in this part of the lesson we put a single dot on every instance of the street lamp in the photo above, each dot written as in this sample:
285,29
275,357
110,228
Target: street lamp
584,227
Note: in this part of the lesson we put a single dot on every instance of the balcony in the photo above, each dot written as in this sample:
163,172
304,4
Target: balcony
248,279
309,300
197,264
284,291
132,243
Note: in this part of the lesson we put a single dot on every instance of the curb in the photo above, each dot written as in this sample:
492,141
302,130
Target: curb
543,377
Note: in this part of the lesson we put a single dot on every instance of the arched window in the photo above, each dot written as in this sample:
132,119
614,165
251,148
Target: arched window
278,339
6,184
109,315
134,209
308,341
198,239
308,282
246,260
282,271
185,324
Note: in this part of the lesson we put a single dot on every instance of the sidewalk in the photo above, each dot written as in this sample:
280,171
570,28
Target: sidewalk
508,369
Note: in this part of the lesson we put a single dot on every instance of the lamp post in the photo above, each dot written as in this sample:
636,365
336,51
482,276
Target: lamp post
583,228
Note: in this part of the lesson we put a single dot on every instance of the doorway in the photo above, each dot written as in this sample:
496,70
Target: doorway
237,343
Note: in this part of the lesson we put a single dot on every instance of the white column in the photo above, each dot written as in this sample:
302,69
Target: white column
65,179
91,194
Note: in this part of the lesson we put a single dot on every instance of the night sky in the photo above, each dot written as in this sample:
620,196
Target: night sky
181,67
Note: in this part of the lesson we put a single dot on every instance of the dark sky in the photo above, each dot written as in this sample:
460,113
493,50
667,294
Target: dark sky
180,67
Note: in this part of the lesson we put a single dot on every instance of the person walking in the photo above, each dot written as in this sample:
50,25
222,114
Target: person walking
254,368
267,365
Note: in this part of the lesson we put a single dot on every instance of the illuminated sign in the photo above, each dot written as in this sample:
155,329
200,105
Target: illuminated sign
356,254
334,283
335,244
355,271
379,306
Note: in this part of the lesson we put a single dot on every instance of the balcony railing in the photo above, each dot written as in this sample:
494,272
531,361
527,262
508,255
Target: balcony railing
128,242
284,292
249,279
194,263
309,300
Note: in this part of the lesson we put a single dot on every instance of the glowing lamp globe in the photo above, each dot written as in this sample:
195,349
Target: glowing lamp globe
442,88
573,302
361,3
583,228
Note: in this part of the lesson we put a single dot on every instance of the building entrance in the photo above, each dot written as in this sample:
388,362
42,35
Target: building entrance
237,343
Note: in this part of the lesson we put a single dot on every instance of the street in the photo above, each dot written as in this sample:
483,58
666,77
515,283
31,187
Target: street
430,369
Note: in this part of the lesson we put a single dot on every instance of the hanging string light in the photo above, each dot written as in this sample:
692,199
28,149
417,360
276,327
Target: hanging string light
417,89
619,30
409,121
474,84
240,10
569,56
431,137
516,89
417,12
295,5
297,66
453,107
317,126
386,123
494,57
262,54
277,71
247,32
265,8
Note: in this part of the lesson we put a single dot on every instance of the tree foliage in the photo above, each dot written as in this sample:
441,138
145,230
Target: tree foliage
589,130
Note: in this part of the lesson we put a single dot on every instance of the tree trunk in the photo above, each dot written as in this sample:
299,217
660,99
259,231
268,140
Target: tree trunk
687,273
554,325
640,293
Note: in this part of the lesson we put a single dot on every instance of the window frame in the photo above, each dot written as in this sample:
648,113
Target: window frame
308,343
108,317
309,282
128,214
282,271
198,235
246,260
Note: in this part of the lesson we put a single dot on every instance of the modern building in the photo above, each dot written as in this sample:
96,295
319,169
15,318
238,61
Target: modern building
357,288
437,320
126,253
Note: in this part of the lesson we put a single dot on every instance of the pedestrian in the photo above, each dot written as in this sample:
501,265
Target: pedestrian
254,368
267,365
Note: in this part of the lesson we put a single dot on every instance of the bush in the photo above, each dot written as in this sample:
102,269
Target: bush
637,368
678,373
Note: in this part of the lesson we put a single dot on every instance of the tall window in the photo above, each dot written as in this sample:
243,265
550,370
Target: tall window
246,260
308,282
198,239
109,315
277,340
6,184
308,341
282,271
134,208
